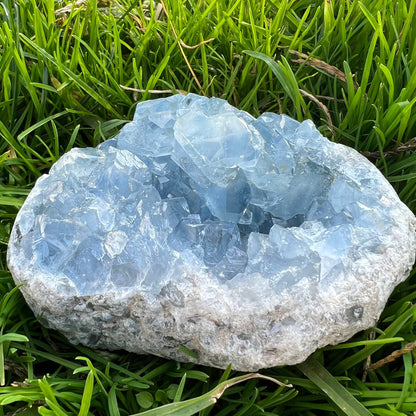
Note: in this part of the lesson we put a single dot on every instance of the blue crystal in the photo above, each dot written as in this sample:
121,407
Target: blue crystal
250,241
219,237
194,180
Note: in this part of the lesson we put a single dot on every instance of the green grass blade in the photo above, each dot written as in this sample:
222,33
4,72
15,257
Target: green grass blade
55,409
192,406
326,382
35,126
77,79
87,395
179,392
113,407
13,337
287,79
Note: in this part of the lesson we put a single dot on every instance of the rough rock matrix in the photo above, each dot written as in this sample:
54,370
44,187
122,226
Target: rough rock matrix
250,241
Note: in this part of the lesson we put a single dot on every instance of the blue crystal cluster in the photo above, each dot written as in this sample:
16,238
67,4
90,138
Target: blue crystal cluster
194,181
248,241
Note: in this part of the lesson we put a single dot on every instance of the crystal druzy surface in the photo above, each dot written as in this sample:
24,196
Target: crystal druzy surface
250,241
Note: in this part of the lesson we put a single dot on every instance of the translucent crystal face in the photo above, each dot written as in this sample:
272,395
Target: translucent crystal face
194,182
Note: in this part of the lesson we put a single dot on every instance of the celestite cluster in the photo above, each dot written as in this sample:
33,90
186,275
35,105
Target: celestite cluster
250,241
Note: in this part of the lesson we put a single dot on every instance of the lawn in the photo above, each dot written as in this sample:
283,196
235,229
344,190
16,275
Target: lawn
71,74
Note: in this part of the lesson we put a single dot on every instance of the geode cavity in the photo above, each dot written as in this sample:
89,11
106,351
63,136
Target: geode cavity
247,241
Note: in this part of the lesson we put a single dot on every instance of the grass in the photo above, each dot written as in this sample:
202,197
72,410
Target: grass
70,75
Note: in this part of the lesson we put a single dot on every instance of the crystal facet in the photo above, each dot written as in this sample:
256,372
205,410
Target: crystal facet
250,241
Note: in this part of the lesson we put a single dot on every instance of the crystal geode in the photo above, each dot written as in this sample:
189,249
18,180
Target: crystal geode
247,241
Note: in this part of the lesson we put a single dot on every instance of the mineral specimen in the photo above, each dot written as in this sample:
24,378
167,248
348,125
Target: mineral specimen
247,241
